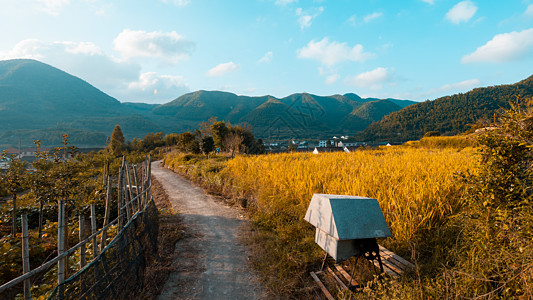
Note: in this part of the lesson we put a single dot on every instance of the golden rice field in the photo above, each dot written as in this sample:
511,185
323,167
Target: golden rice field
416,188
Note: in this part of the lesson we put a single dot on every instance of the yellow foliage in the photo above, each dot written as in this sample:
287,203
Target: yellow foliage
416,188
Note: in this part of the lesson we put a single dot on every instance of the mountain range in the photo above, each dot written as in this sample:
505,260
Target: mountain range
38,101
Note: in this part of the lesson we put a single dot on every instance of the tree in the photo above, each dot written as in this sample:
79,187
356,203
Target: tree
15,180
116,143
152,141
42,185
220,131
205,127
233,143
207,145
171,139
188,143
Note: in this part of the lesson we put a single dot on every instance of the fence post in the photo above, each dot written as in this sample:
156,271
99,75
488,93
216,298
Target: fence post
106,214
126,200
148,177
129,187
26,256
61,249
82,237
136,181
93,230
143,180
119,200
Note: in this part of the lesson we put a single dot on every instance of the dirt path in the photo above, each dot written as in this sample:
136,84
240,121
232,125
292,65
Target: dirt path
210,262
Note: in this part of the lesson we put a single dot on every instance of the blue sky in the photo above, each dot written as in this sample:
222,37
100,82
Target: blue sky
154,51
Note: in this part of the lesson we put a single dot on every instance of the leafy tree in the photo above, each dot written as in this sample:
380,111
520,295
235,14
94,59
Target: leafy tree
171,139
188,143
205,127
15,181
207,145
42,184
116,143
152,141
220,131
233,143
65,174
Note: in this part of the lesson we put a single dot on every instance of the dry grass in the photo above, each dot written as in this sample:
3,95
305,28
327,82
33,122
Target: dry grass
417,190
171,229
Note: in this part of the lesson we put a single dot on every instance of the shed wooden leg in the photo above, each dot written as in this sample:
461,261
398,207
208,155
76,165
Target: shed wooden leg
353,271
324,261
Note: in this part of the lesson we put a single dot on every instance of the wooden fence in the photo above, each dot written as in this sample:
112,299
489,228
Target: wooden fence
133,197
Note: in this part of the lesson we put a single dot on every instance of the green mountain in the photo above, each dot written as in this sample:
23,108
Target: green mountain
299,115
448,115
367,113
38,101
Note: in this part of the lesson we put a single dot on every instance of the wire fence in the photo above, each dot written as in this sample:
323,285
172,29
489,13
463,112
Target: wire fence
117,270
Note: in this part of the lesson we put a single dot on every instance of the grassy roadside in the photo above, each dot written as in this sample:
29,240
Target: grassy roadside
417,193
171,230
463,215
286,280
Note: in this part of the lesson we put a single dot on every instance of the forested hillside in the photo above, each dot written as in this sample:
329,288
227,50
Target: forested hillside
448,115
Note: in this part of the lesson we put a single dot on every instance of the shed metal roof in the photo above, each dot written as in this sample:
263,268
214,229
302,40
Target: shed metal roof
347,217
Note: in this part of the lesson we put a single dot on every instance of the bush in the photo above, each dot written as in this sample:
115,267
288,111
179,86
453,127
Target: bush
494,257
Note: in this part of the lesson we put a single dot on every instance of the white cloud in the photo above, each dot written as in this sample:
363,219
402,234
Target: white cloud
222,69
352,20
266,58
52,7
86,60
284,2
461,12
503,47
85,48
82,59
457,87
177,2
331,53
429,1
372,16
169,46
305,17
154,88
529,10
331,79
372,79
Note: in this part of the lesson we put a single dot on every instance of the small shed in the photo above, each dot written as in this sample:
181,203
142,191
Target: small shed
344,224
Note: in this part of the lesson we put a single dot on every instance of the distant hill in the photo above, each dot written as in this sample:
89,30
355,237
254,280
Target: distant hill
298,115
448,115
38,101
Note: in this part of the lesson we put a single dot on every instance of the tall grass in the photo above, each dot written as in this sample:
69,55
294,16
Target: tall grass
444,142
417,189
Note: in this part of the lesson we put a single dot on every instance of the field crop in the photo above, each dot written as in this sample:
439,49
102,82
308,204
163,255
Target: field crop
417,188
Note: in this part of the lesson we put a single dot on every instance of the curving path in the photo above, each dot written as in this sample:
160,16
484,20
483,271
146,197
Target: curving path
210,262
